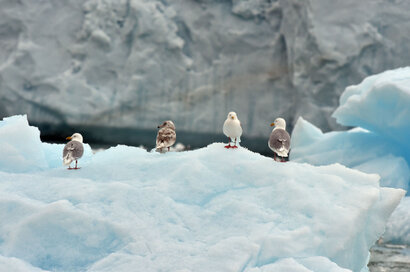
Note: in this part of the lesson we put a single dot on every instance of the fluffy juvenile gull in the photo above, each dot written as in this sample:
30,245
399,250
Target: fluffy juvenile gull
279,140
233,130
73,150
166,136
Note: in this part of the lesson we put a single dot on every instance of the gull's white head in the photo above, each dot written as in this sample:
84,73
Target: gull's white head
76,137
279,123
232,115
168,123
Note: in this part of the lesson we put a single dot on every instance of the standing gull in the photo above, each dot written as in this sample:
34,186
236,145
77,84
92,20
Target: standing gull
233,130
166,136
279,140
73,150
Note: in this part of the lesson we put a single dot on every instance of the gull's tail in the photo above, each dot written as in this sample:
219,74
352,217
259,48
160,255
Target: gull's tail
67,159
160,146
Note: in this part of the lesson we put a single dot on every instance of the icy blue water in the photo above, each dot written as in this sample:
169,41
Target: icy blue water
389,258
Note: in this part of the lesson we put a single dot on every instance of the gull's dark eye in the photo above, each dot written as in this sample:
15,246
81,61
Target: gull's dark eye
164,123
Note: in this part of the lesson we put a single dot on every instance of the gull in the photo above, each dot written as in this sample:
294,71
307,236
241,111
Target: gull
166,136
73,150
279,140
233,130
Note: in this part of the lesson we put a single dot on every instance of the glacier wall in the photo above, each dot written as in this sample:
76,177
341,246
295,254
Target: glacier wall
133,63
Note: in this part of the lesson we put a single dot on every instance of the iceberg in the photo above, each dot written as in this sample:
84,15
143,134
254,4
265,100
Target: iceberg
210,209
398,226
357,148
381,103
379,108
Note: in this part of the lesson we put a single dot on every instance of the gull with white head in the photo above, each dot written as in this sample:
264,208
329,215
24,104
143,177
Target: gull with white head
279,140
233,130
73,150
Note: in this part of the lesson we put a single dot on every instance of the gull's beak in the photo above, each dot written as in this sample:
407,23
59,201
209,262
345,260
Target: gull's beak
272,124
68,138
233,118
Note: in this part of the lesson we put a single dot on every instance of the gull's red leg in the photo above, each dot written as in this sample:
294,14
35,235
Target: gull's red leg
76,165
229,143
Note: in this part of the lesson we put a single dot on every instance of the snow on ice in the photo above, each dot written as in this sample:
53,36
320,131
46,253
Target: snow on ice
209,209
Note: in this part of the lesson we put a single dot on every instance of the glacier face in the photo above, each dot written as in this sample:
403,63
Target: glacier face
134,63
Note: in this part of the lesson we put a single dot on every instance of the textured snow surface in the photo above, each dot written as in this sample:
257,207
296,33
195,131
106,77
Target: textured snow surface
380,106
210,209
135,63
16,265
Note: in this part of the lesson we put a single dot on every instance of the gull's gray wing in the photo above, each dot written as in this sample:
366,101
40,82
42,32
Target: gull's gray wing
75,148
279,139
